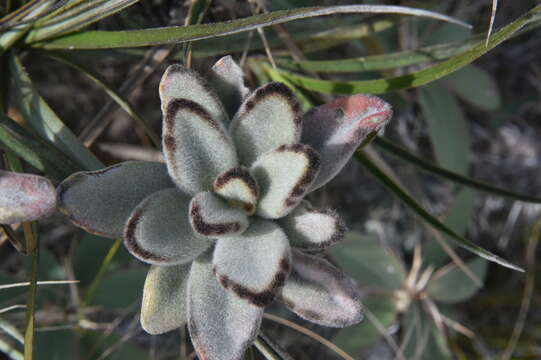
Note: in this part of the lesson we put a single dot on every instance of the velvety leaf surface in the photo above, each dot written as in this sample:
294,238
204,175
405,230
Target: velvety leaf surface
180,83
227,78
101,201
210,216
239,188
254,265
312,229
165,304
25,197
284,176
320,293
159,232
221,324
336,129
196,146
267,119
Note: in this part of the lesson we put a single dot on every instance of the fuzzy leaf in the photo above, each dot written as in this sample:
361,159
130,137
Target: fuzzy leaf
239,188
196,146
227,78
210,216
158,230
254,265
221,324
180,83
25,197
101,201
284,176
336,129
319,292
312,229
266,120
164,306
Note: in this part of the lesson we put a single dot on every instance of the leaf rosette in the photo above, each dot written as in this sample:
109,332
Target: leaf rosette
223,222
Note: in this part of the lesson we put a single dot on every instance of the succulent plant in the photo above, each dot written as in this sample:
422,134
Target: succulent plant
223,222
25,197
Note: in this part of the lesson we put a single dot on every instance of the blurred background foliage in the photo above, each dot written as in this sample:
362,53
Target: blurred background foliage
78,90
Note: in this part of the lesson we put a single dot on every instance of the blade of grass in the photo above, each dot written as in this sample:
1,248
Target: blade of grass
10,351
123,103
31,233
421,212
11,330
35,151
21,26
417,78
44,120
397,151
86,13
102,271
161,36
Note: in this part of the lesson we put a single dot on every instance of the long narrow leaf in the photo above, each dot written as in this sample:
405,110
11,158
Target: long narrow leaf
450,175
76,18
40,154
420,211
418,78
178,34
44,120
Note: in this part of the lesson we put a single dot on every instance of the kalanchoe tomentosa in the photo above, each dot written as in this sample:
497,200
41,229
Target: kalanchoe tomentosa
223,222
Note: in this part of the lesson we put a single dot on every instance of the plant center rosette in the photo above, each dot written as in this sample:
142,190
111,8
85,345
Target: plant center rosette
223,222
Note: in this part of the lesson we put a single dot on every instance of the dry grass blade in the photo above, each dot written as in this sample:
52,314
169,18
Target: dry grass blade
529,287
12,307
309,333
27,283
492,17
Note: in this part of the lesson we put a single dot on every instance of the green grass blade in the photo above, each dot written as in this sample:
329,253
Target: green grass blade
420,211
40,154
450,175
382,62
178,34
86,13
116,96
102,271
418,78
44,120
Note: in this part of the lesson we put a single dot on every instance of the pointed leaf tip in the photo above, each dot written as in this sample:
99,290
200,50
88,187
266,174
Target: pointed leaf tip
25,197
337,128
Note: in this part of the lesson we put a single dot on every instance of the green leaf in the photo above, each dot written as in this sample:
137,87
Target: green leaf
128,282
475,86
70,17
447,127
40,154
178,34
380,313
418,78
399,152
43,119
57,345
425,339
426,216
451,285
373,266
